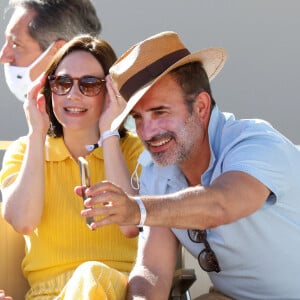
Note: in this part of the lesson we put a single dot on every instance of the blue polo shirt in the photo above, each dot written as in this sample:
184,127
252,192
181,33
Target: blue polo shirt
258,254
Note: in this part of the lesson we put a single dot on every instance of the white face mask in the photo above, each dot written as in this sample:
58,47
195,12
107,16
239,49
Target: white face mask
18,78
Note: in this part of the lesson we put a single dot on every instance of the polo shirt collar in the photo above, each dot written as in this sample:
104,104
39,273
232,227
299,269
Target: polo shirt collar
56,150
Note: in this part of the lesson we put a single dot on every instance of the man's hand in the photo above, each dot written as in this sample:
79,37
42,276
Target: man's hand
111,204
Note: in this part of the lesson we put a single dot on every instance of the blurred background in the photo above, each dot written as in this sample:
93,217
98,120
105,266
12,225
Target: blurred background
260,78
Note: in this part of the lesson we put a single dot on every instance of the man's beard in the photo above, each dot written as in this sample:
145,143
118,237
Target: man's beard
184,143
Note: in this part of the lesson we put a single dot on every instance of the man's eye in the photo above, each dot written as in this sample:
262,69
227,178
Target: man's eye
160,112
134,116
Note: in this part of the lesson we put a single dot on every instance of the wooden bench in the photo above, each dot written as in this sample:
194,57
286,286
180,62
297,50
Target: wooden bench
12,252
4,144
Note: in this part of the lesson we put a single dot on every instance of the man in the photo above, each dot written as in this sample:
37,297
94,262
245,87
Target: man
35,31
228,188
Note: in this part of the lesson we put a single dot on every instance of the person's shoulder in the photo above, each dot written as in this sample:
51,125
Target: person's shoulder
252,125
131,140
244,129
18,145
129,135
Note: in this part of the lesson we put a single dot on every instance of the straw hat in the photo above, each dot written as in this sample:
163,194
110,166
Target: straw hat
146,62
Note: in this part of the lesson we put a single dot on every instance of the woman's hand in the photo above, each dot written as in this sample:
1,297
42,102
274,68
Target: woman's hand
35,107
3,297
114,105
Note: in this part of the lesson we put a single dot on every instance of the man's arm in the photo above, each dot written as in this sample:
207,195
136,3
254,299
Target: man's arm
231,196
152,275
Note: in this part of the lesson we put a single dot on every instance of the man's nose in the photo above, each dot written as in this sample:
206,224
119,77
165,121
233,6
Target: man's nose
6,54
146,129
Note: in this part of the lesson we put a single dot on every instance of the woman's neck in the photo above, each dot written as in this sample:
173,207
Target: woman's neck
76,141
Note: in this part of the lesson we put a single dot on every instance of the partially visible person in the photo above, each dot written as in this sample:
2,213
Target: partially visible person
228,188
64,257
3,296
35,31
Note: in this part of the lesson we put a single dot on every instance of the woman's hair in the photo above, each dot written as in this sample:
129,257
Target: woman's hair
193,80
99,48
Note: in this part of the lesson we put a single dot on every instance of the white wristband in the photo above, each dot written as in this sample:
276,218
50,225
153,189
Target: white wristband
143,211
106,134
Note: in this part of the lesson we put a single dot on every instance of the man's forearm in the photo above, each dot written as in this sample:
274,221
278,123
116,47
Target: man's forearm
143,284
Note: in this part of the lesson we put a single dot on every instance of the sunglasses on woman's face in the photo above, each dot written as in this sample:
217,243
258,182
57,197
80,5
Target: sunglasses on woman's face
207,258
88,85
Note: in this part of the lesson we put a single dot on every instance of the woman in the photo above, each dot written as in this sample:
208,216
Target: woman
40,171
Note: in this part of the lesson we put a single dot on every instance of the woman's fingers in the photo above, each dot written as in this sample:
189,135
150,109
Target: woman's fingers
114,94
36,86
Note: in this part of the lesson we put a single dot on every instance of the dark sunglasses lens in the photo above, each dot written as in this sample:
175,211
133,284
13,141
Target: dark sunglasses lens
197,236
90,86
61,85
207,258
208,261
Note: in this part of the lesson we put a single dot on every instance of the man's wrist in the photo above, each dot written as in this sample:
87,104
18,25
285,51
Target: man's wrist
143,212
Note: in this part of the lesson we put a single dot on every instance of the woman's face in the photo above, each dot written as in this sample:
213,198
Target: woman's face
74,110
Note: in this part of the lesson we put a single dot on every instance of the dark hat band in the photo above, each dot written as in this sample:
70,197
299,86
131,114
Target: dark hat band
151,72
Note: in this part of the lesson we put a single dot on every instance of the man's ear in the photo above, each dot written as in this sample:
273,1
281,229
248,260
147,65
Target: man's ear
202,106
41,65
57,45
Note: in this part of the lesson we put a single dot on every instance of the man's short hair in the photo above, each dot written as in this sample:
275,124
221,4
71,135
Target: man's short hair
193,80
60,19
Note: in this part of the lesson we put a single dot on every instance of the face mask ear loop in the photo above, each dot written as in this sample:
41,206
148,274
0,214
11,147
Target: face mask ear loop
34,63
134,180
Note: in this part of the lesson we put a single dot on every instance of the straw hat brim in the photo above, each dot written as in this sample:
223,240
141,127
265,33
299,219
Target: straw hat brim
213,60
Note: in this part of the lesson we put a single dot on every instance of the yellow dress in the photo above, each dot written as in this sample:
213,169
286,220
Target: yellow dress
62,242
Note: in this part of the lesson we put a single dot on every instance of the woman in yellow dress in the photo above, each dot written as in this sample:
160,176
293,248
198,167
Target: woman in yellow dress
70,107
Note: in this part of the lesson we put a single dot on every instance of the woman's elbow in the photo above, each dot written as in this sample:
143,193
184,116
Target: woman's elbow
19,224
130,231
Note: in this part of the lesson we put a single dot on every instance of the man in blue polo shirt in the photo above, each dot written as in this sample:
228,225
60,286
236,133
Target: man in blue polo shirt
226,189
